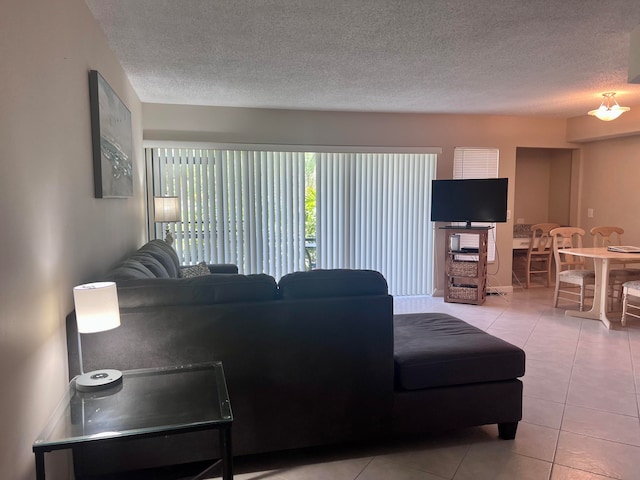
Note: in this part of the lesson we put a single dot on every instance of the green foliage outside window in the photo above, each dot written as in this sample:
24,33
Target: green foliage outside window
310,196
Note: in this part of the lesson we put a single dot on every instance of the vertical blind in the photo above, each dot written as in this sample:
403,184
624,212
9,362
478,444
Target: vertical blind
248,208
237,206
373,213
477,163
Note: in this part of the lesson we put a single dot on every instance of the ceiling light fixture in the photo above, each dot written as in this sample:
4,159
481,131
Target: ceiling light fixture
609,108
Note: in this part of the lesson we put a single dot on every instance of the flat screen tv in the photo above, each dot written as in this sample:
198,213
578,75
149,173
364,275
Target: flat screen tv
470,200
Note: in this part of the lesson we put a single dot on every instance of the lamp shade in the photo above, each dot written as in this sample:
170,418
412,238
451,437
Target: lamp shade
167,209
609,109
96,307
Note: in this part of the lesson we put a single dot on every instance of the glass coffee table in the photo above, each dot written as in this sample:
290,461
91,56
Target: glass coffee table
149,402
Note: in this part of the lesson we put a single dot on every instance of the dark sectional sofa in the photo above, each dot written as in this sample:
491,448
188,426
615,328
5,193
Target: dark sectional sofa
317,358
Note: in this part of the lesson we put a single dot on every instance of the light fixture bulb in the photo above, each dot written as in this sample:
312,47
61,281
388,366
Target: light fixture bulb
609,108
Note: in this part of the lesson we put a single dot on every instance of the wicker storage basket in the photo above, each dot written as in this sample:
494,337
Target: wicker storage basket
463,269
463,293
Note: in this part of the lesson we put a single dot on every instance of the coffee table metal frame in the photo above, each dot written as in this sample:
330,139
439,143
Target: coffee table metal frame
70,425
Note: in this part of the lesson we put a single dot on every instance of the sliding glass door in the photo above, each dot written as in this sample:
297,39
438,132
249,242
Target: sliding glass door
237,206
277,212
373,212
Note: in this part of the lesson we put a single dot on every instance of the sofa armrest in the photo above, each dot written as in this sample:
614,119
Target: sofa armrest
222,268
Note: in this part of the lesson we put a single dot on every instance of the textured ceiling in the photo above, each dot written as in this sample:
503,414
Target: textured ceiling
512,57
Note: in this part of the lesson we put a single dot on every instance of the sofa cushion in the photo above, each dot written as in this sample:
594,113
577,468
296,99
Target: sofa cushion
151,263
194,270
204,290
222,267
128,270
436,349
164,253
332,283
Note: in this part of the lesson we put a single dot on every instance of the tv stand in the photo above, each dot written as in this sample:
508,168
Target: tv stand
465,276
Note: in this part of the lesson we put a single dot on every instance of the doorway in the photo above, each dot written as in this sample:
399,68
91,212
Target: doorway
543,194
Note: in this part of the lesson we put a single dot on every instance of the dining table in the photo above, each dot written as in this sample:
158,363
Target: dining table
602,260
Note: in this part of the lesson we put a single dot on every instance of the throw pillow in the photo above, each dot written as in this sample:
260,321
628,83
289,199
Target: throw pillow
195,270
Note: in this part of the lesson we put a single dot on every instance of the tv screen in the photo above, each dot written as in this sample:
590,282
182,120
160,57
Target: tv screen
471,200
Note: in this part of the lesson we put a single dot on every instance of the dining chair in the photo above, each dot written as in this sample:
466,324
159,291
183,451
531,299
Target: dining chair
630,300
571,274
603,237
540,252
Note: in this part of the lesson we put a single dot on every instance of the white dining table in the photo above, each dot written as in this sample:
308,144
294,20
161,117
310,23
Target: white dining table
602,259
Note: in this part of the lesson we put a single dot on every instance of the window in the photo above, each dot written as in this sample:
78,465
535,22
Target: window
476,163
265,211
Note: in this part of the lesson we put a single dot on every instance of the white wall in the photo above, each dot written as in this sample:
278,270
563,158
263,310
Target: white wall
611,169
54,233
533,169
262,126
560,187
543,186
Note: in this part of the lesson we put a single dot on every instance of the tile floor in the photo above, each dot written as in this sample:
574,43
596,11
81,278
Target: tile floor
580,418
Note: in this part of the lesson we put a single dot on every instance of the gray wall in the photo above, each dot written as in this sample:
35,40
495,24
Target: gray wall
55,234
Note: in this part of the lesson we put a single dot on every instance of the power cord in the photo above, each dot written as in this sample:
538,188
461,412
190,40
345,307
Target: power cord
497,291
497,254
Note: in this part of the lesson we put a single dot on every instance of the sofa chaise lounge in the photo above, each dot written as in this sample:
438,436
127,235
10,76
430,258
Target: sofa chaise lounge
317,358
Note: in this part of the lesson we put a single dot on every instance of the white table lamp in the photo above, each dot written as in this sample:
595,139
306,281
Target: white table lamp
97,310
166,209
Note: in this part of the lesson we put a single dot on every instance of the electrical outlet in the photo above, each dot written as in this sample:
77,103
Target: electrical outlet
520,221
589,212
508,214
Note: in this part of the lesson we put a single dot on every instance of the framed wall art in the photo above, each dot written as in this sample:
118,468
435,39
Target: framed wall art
112,140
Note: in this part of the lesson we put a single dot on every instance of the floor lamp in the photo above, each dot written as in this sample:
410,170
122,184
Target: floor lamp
97,310
167,209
